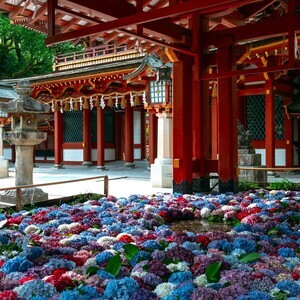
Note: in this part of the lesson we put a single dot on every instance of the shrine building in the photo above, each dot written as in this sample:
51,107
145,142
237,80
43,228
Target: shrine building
168,80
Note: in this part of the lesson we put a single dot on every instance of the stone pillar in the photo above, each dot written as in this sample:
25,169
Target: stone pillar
161,170
3,161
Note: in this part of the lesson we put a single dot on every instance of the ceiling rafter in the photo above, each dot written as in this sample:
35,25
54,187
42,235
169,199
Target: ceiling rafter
141,18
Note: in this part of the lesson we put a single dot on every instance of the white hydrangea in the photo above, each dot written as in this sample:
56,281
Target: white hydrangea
106,241
67,227
228,208
205,212
181,266
164,289
200,280
67,240
31,229
138,273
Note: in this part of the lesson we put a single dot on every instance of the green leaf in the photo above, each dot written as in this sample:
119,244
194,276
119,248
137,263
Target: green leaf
92,271
249,257
114,265
212,272
130,250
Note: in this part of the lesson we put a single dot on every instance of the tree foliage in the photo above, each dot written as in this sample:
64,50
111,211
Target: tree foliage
23,52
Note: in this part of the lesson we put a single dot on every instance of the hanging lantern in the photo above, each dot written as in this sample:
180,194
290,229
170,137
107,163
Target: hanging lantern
136,100
144,98
123,101
91,103
76,105
61,107
110,102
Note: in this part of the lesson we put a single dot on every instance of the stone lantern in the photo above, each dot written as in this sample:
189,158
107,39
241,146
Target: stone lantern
24,112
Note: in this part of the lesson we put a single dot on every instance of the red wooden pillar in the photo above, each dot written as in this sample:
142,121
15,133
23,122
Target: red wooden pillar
270,124
58,139
152,138
288,138
100,138
227,124
87,141
201,110
143,134
182,125
214,123
129,151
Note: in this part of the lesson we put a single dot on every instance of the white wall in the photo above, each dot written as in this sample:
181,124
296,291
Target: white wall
280,157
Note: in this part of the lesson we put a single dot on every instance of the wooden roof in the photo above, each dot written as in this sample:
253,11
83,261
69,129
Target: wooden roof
147,23
153,25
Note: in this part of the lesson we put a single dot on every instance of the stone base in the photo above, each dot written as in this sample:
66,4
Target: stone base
58,166
129,164
29,196
161,173
3,167
101,168
87,163
249,159
253,175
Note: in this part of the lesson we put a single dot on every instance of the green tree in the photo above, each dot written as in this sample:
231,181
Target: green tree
23,51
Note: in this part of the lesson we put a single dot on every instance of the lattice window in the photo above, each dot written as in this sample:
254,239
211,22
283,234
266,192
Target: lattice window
94,125
279,118
255,116
73,131
109,126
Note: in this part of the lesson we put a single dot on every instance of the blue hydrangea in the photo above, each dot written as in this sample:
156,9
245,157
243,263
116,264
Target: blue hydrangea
242,227
245,244
16,264
179,277
152,245
120,289
36,288
34,252
108,221
292,288
105,275
152,279
286,252
222,245
56,214
255,295
58,263
2,217
103,257
4,239
192,246
140,256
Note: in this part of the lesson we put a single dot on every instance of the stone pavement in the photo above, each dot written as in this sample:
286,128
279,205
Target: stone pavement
123,181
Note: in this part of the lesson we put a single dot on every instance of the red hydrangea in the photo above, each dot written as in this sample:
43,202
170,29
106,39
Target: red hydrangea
8,295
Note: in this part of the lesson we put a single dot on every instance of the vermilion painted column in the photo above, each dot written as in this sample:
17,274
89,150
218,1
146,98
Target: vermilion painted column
182,126
214,124
201,111
227,124
129,151
58,139
152,138
270,124
87,140
288,138
100,138
143,134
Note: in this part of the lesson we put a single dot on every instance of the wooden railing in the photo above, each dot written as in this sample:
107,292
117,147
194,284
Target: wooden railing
91,56
18,189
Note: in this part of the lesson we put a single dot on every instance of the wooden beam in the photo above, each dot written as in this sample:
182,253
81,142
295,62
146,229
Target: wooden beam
141,18
51,6
268,28
254,8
